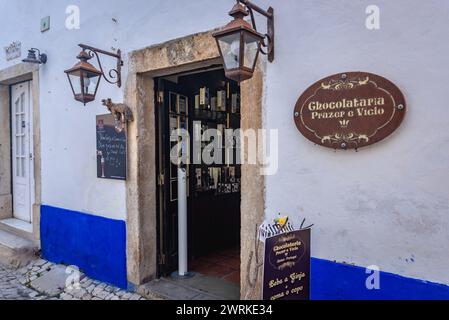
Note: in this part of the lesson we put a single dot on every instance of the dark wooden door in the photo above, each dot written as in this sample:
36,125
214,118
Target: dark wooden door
172,113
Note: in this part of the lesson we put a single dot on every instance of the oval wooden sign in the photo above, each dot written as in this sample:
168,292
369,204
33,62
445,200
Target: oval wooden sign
350,110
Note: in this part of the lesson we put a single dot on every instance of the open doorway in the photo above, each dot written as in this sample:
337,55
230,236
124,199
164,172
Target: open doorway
198,101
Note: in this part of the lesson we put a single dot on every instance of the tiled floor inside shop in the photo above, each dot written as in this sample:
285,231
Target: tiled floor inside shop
214,277
224,265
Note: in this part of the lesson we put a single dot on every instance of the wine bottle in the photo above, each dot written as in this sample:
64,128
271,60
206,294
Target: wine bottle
221,97
204,98
197,102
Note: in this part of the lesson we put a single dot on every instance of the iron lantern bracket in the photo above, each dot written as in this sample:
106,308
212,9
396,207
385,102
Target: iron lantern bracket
269,14
114,75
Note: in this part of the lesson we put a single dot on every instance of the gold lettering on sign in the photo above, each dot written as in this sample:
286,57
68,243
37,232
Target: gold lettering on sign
290,280
346,103
369,107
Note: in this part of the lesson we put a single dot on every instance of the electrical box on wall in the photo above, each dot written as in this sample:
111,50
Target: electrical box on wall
45,24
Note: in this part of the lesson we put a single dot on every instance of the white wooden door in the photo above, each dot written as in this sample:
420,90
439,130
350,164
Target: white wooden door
22,150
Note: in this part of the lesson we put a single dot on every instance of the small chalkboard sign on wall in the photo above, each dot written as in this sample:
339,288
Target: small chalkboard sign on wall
111,149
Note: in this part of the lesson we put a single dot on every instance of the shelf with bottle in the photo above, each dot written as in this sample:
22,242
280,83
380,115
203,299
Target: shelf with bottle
218,107
220,180
216,140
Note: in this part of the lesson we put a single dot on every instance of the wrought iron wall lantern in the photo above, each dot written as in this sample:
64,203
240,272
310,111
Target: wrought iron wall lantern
239,42
85,78
31,58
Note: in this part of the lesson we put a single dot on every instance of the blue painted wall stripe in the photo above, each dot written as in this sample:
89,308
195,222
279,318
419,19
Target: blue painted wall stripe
95,244
336,281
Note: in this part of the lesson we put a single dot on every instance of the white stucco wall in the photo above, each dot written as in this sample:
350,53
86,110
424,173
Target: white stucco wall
386,204
68,128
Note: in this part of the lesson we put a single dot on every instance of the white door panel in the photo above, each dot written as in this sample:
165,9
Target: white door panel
22,152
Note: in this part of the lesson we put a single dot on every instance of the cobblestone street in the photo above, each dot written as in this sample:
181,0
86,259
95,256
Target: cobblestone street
42,280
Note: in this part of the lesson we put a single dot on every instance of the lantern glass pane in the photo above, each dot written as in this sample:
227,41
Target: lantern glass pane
230,49
90,84
252,44
75,80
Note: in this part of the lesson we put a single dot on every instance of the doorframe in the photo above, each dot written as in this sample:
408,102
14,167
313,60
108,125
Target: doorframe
15,74
31,145
173,57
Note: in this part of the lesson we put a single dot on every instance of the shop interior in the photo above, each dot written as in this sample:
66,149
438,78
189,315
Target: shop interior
198,101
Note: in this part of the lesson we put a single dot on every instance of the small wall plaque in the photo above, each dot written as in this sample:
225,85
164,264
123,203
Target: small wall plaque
13,51
45,24
350,110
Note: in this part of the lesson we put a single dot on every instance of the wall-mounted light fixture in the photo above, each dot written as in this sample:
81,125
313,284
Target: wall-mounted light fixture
31,58
239,42
85,78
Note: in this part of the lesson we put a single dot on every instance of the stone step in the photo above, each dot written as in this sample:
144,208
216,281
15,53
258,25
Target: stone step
16,251
18,227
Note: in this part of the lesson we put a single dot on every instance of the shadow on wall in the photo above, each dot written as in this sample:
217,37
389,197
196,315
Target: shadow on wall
95,244
335,281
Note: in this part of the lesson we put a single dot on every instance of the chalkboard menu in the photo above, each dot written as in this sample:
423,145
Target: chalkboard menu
287,266
111,149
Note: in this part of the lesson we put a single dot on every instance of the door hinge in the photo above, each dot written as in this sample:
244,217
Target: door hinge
161,179
160,96
162,259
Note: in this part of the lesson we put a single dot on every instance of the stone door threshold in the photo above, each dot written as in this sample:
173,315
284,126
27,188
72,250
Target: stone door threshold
18,227
198,287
